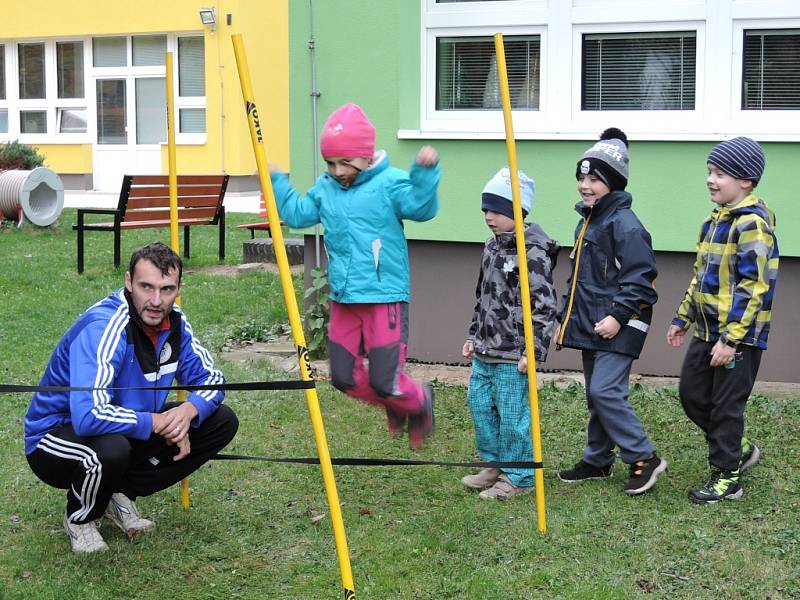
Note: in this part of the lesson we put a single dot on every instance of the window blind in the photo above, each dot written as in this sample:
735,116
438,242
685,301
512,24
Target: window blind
191,66
31,72
69,69
639,71
110,52
149,50
771,70
2,72
466,73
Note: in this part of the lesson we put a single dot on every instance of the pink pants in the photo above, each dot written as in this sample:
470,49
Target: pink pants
378,332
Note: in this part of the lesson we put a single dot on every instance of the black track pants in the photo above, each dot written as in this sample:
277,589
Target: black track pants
714,398
93,468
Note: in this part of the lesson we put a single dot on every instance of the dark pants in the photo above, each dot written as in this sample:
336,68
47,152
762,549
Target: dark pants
612,419
714,398
93,468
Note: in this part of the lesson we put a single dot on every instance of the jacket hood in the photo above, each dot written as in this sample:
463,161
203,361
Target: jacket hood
750,205
534,236
608,203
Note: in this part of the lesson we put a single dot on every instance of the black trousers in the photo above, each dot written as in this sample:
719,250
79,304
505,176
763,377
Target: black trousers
93,468
714,398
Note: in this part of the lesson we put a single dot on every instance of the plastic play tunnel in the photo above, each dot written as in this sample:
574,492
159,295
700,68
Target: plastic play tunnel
38,195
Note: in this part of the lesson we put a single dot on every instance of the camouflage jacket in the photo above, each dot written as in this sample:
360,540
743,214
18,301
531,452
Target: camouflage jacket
497,330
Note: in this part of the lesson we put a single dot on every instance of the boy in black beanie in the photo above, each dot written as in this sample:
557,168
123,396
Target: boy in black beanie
606,314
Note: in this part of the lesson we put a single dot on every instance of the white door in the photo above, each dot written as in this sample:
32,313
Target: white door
131,126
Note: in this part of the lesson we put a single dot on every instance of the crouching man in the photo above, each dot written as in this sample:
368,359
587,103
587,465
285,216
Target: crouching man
112,444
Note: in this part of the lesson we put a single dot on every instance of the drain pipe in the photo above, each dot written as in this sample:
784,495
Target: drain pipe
314,95
38,195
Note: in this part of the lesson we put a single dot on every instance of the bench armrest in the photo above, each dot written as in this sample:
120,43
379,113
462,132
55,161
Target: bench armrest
97,211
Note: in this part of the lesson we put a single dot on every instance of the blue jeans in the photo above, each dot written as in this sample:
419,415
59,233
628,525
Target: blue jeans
612,420
498,400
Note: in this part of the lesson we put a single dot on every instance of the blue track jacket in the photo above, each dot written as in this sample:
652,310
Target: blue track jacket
367,249
107,348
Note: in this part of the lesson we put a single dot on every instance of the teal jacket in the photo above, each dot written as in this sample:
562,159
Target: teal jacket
367,250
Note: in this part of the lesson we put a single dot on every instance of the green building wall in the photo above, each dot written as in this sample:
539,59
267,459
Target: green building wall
369,53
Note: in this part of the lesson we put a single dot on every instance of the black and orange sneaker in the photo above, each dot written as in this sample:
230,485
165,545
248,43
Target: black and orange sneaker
644,474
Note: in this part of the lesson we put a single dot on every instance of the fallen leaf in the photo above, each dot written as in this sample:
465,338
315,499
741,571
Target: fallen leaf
364,512
26,574
317,518
647,586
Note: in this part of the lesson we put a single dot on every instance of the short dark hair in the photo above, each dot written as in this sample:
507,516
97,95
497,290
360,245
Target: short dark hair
161,255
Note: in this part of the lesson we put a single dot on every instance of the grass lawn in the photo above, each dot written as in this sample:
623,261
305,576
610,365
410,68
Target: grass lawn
413,532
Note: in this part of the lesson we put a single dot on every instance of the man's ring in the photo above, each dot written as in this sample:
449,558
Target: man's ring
177,430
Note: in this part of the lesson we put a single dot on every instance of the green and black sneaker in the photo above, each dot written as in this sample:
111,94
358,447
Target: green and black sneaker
751,454
723,485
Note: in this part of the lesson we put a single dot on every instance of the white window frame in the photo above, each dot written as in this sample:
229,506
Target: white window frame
52,103
187,101
719,27
477,120
756,121
5,103
681,122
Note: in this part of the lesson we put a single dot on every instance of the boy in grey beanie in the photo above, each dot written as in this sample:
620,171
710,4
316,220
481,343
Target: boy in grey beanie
606,314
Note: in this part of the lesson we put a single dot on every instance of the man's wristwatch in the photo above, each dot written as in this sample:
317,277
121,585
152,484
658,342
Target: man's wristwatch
730,343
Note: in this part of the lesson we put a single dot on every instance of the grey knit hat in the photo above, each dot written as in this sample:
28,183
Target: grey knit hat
607,159
740,157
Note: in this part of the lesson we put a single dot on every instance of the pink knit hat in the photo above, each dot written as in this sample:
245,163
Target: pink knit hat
348,133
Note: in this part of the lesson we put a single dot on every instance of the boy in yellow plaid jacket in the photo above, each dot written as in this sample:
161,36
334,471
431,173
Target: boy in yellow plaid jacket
729,302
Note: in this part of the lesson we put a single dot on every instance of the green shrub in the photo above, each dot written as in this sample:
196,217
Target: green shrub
14,155
317,298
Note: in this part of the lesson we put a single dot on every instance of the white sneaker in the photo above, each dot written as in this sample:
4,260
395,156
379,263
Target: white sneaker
124,514
84,537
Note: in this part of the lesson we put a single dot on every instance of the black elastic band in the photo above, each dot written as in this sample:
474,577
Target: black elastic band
252,385
383,462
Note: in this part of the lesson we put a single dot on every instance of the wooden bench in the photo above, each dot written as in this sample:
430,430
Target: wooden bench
144,203
261,225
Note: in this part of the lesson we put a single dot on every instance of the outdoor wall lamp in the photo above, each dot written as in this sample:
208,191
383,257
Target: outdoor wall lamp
208,16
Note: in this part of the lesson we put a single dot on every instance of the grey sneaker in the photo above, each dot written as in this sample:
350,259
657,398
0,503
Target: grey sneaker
84,537
124,514
751,455
503,490
480,481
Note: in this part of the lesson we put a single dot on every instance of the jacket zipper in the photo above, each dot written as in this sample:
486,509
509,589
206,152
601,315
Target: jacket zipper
578,250
702,279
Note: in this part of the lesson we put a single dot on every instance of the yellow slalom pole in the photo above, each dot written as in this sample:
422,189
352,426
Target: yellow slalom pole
522,257
173,216
294,315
